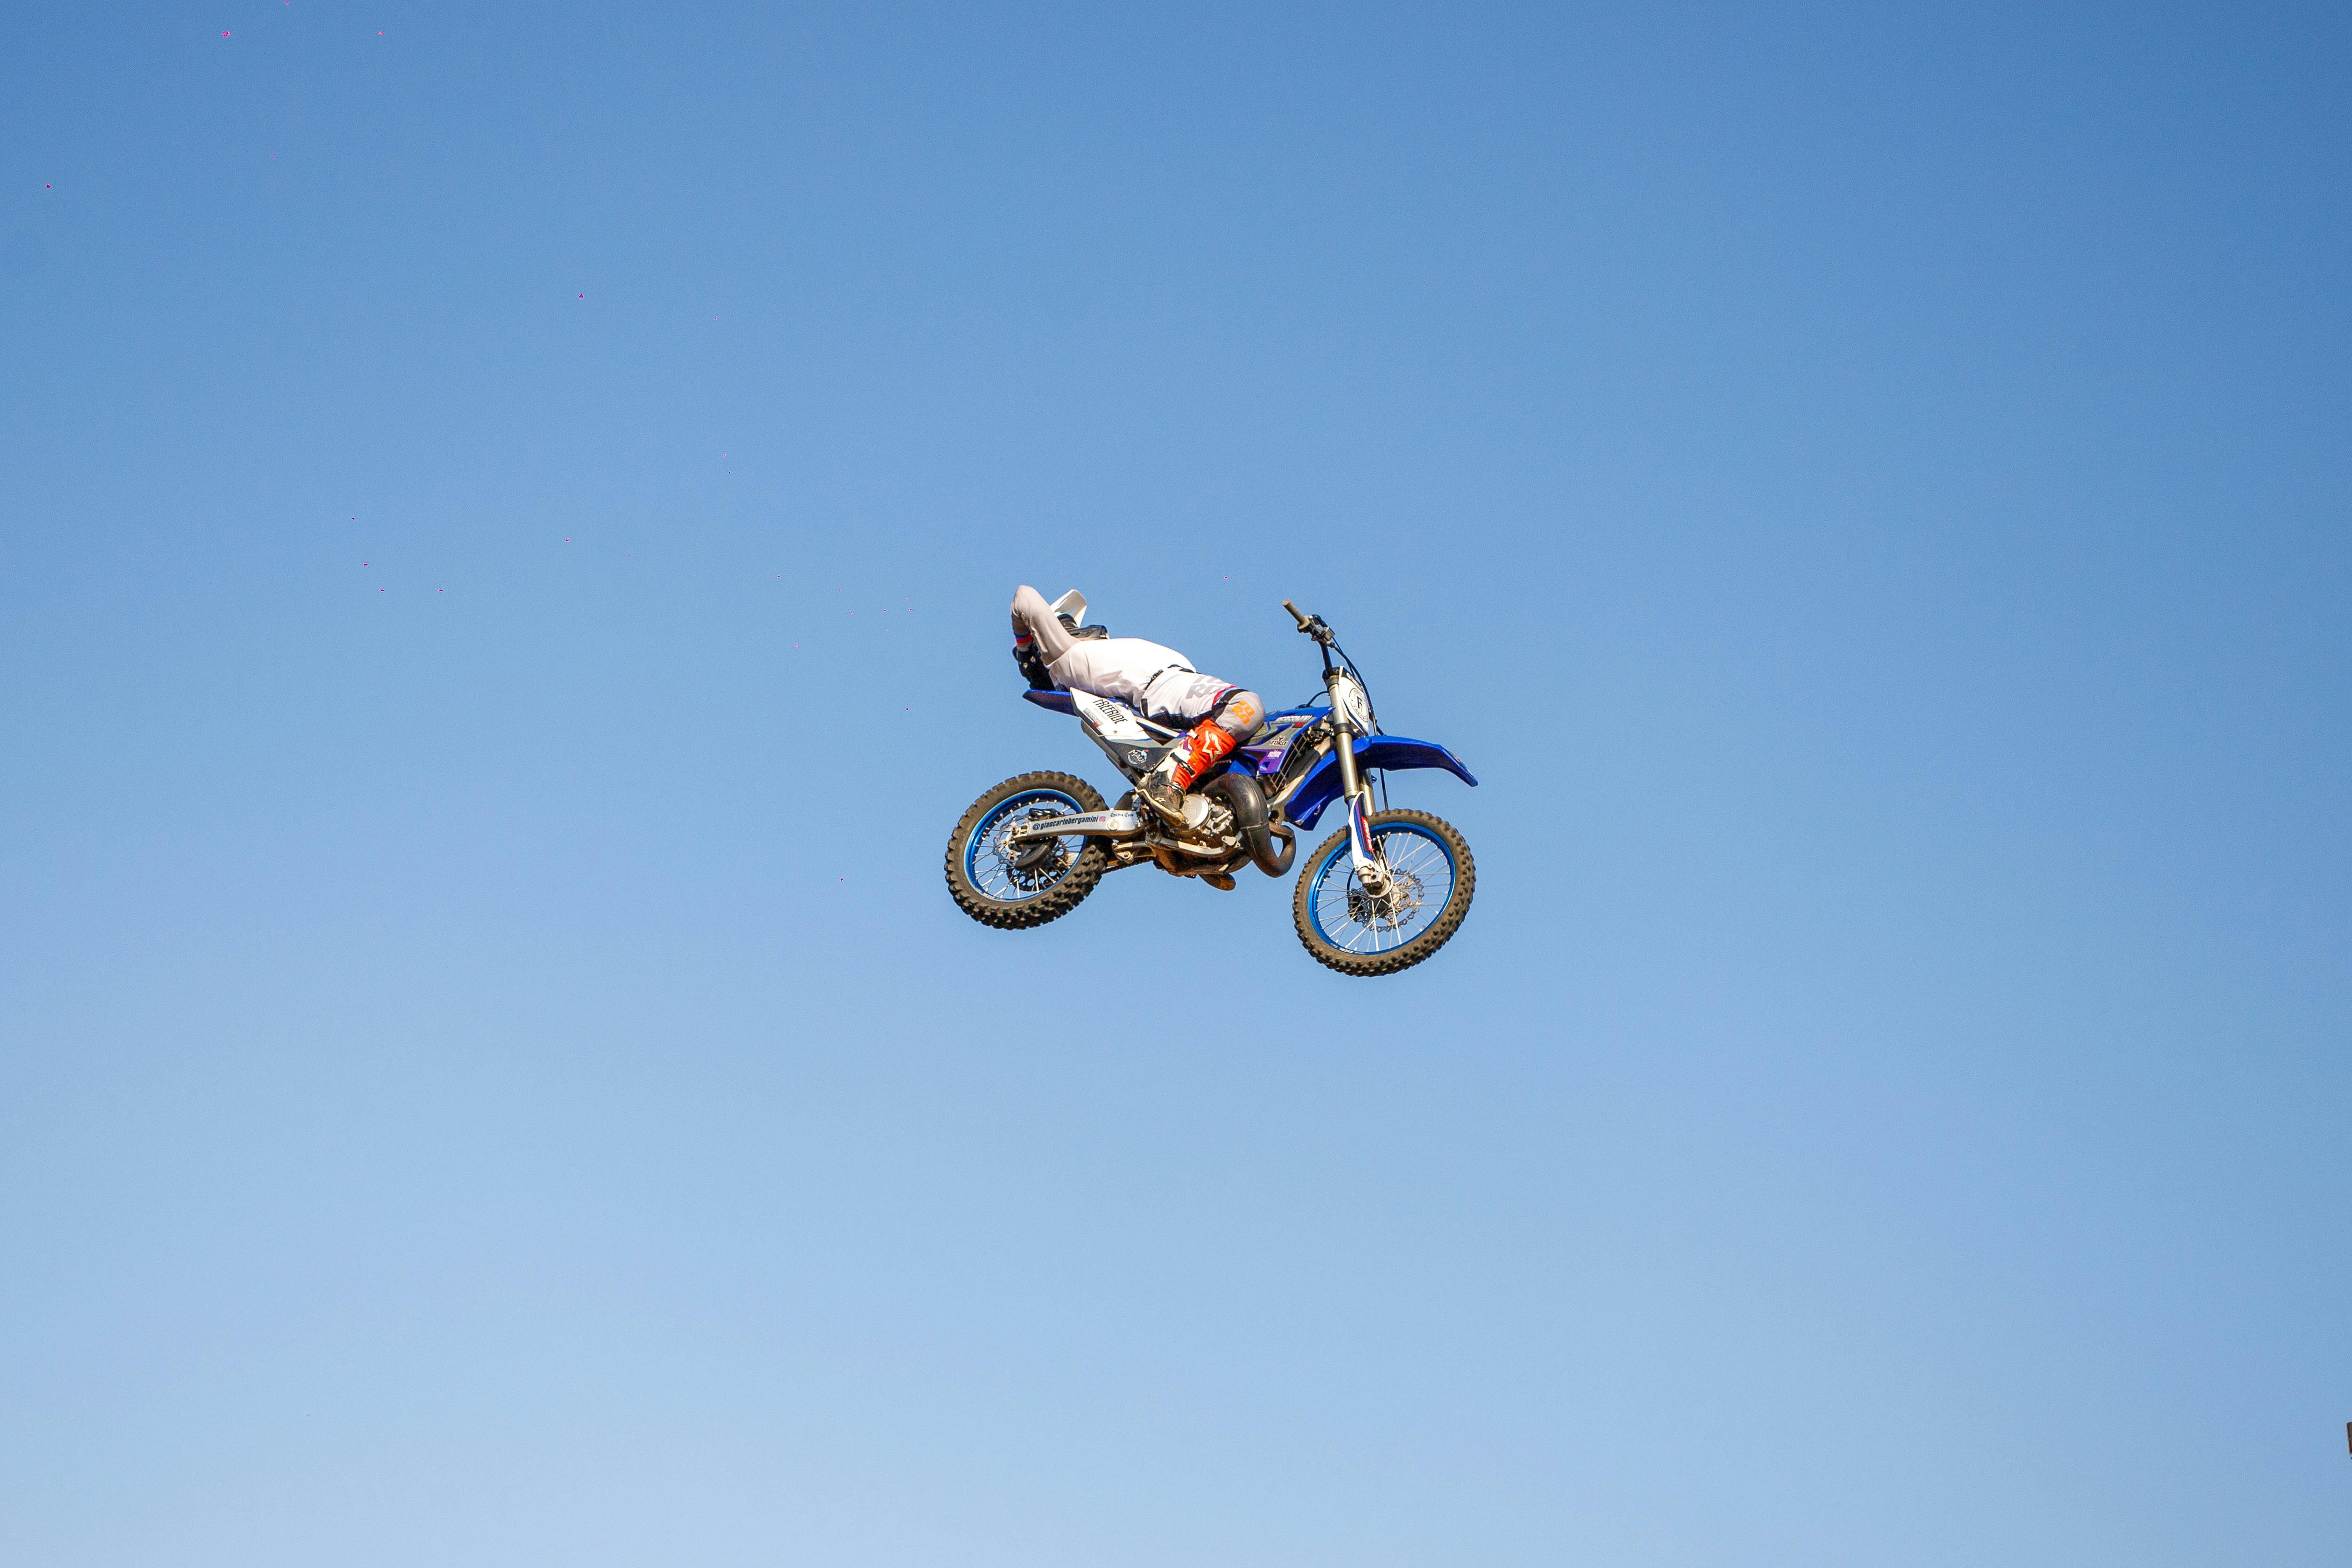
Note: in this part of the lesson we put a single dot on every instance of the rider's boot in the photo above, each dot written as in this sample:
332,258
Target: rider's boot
1163,789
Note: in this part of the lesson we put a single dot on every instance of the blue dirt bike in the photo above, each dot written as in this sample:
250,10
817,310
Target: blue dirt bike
1379,895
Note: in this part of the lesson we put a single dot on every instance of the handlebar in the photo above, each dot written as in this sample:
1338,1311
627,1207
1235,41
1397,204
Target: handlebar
1310,625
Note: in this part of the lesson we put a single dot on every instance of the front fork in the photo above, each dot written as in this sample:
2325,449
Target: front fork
1369,871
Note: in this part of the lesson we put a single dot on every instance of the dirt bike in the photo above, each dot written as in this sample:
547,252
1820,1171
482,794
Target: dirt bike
1381,894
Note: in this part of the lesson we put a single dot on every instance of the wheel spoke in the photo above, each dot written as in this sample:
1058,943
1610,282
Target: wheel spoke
1422,885
1416,855
1418,888
990,852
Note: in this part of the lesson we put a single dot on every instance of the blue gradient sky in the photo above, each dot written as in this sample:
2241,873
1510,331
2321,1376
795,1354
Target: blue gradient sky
506,516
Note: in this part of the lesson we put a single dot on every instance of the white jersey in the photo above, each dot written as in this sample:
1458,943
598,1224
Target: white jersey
1121,669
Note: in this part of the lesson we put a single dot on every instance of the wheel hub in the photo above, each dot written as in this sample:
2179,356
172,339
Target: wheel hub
1039,863
1392,904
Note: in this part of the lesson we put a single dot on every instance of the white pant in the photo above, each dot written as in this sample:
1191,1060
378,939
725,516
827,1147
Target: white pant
1147,676
1180,698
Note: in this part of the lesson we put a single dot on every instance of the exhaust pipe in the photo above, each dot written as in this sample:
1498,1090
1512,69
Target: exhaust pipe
1246,801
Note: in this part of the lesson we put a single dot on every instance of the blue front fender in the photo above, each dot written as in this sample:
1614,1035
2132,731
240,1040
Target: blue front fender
1391,753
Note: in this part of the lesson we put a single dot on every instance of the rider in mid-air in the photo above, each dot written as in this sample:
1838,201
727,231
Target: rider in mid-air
1058,654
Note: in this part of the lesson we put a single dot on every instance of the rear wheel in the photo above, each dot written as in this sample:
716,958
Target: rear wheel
1012,886
1356,931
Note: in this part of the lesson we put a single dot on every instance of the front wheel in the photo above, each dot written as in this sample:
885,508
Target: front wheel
1350,928
1011,885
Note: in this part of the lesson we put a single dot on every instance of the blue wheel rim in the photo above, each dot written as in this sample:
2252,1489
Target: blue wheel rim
1345,917
988,869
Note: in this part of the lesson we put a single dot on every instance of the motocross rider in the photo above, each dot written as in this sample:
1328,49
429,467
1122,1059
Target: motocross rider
1058,654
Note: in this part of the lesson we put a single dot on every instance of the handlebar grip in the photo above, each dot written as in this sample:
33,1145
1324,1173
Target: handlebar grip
1295,614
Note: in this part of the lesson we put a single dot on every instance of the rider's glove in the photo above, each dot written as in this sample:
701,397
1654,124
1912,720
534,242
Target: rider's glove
1033,668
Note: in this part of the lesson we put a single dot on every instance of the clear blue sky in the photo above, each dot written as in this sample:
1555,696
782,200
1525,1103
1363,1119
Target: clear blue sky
506,517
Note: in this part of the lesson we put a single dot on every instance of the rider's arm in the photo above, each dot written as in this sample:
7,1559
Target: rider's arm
1033,617
1038,637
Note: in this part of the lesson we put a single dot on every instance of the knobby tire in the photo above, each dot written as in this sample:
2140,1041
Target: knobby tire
1055,901
1457,907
